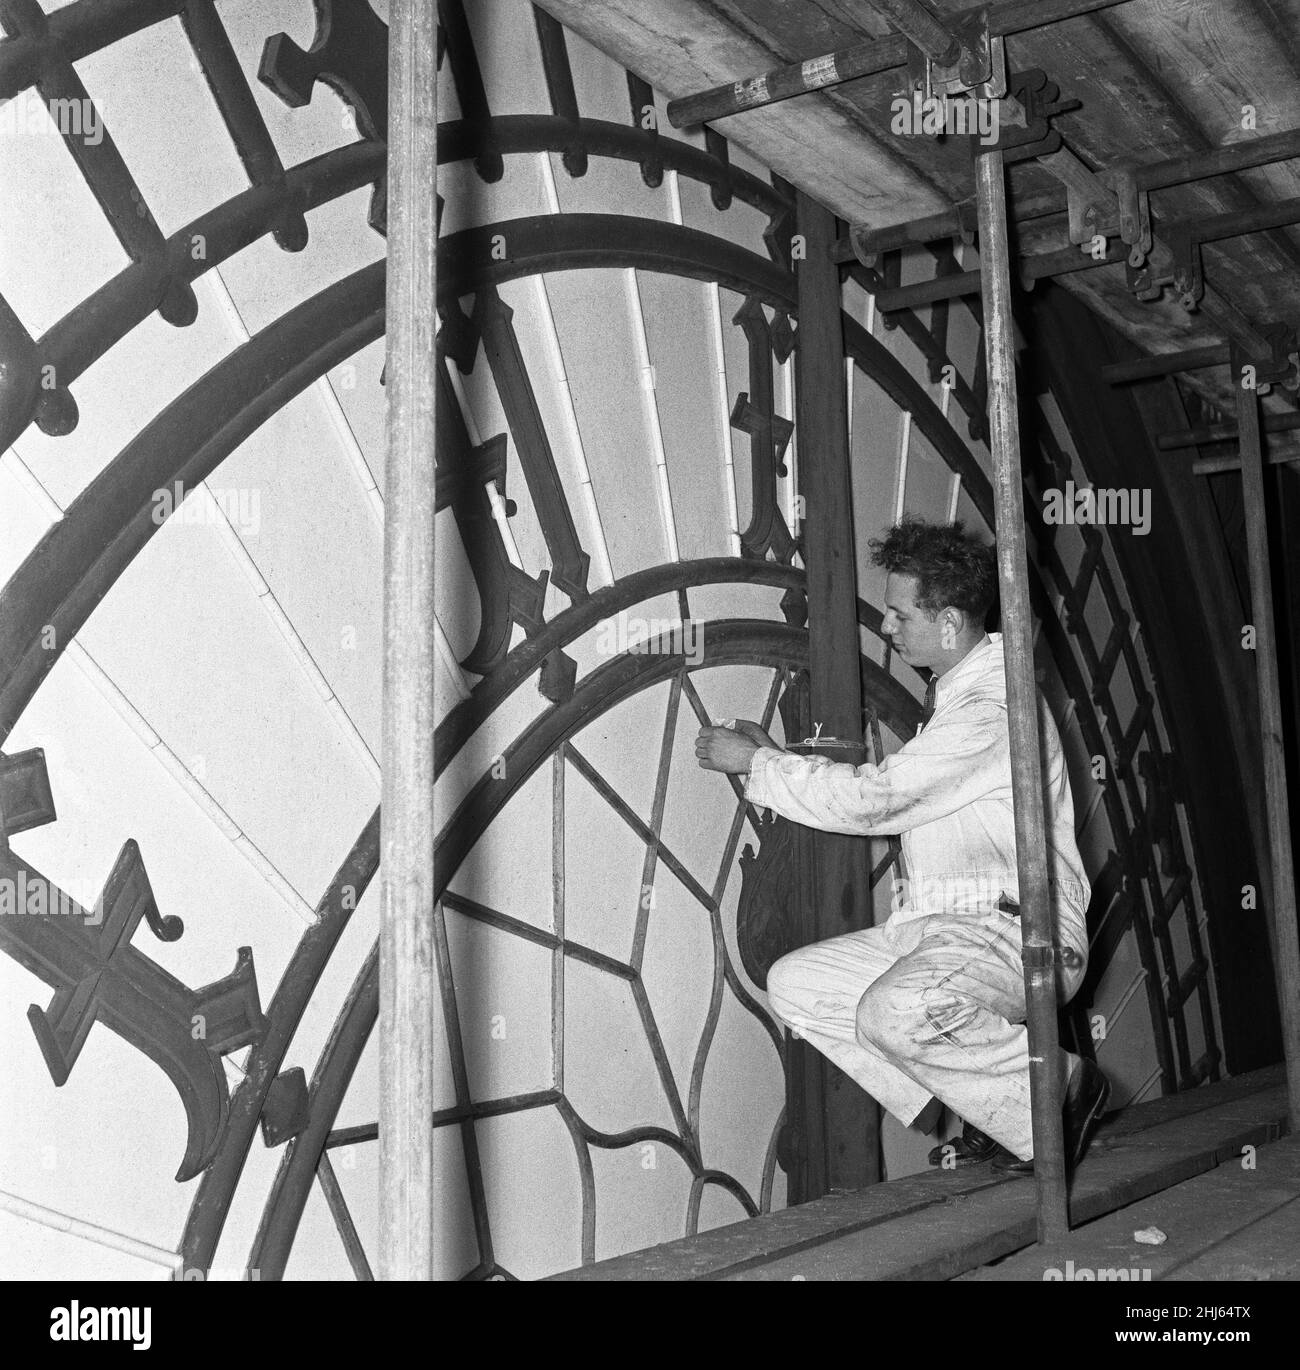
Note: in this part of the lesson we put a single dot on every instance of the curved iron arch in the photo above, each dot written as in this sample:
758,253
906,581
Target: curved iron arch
561,242
243,393
85,27
727,642
355,305
65,576
78,561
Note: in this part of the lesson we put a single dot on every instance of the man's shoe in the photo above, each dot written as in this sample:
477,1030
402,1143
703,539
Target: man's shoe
1007,1162
1085,1101
970,1148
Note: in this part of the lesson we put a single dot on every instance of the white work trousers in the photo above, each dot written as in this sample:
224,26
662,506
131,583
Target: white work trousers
926,1006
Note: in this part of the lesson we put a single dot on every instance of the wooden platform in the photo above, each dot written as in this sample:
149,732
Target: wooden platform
941,1225
1240,1221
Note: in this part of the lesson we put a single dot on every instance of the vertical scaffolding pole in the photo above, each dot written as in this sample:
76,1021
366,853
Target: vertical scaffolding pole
1022,707
841,893
1286,938
406,960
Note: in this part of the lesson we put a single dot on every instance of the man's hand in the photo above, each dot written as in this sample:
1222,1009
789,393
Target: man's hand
754,733
725,749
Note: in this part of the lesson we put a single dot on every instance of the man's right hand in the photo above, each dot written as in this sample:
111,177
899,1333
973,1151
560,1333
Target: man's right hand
755,734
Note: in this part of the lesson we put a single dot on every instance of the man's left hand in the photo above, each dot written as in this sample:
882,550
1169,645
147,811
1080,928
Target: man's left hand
724,749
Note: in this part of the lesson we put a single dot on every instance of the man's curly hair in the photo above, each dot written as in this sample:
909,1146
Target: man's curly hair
951,566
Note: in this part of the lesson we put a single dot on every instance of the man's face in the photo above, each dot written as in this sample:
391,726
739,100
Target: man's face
914,634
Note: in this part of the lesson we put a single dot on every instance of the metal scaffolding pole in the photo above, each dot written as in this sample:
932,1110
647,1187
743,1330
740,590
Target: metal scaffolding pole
406,956
1022,705
940,42
1286,937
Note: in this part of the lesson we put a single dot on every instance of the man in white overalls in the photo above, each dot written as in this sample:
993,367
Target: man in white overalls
932,1002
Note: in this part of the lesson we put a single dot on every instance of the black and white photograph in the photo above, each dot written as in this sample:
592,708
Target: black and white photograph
650,641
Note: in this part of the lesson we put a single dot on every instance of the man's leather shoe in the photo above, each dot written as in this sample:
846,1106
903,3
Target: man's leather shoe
1085,1101
1007,1162
970,1148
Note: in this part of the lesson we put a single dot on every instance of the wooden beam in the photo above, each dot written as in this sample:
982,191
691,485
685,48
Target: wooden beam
1264,1250
940,1223
842,898
1070,260
1176,171
922,293
1197,1216
1286,935
1165,364
1234,222
1022,705
1224,432
406,908
1212,466
868,58
911,18
943,1241
820,142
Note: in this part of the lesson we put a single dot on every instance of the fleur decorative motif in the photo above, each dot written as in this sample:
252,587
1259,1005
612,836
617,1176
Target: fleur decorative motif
99,977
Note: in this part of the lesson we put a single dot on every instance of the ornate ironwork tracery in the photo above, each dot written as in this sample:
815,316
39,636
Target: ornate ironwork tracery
82,557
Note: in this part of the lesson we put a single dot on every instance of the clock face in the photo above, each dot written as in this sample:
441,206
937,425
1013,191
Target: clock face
189,687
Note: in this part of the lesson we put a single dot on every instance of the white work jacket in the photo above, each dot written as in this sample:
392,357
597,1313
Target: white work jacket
947,793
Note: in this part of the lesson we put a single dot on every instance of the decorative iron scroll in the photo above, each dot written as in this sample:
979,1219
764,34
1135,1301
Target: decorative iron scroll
769,436
350,55
493,319
98,976
507,595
